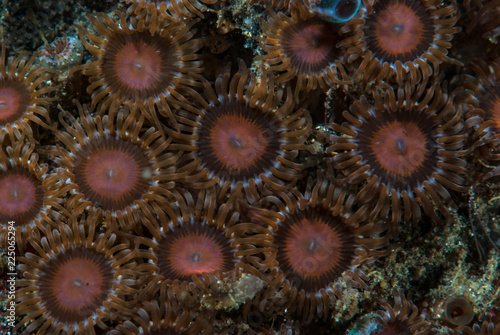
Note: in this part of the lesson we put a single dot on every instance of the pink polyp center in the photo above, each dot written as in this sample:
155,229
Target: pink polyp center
398,29
9,102
237,142
138,65
192,255
312,247
399,147
309,44
17,195
77,283
112,173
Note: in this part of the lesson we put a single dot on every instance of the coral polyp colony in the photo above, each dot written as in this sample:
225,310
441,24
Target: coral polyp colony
250,167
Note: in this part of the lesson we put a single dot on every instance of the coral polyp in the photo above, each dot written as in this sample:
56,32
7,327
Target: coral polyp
403,39
69,291
317,244
402,318
30,197
194,251
304,48
140,63
403,154
110,167
243,136
23,100
458,310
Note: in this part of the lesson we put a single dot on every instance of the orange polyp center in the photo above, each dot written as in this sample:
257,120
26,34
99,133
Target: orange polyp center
77,284
312,247
9,102
192,255
138,65
237,141
399,147
398,30
17,195
310,44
